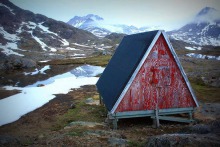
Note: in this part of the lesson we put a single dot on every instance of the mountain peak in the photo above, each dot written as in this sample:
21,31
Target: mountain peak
206,11
208,15
84,21
93,17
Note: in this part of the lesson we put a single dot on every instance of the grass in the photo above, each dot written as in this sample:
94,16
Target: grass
136,143
206,93
99,60
82,112
76,132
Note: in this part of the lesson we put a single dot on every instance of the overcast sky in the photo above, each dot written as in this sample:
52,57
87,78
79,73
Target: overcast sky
170,14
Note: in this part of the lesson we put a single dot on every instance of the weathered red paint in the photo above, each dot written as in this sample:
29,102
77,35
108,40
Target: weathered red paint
159,82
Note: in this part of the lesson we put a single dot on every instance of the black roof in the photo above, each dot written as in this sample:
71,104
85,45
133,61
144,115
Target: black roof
122,65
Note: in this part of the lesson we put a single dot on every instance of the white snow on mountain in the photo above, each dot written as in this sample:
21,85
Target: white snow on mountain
11,46
99,27
10,9
204,29
32,26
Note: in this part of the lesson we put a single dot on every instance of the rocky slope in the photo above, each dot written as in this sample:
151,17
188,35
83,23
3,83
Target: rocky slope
24,34
203,30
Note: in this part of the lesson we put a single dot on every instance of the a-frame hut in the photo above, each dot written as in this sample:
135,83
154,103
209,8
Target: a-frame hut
145,78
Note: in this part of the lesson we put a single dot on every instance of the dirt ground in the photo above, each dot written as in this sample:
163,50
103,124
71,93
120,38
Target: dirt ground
47,126
68,121
47,123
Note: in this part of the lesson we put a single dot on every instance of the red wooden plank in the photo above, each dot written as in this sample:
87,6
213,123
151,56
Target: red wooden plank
158,82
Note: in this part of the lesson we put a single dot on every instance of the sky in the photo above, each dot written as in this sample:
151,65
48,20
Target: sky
171,14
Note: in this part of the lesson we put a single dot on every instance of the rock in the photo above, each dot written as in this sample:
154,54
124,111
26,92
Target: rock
28,63
8,140
83,123
103,133
117,141
16,62
197,129
72,106
40,85
41,136
89,100
179,140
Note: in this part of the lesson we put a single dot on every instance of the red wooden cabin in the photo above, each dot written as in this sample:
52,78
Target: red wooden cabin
145,78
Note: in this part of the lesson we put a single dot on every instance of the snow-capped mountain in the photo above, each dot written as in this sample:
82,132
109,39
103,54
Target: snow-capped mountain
85,21
23,33
203,30
99,27
91,23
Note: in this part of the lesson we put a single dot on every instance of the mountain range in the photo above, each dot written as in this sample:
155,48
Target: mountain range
97,25
26,36
204,29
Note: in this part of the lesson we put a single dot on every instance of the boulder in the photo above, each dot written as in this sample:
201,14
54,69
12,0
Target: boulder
16,62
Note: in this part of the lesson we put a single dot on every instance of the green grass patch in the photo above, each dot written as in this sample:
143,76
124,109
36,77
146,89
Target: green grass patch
206,93
82,112
100,60
76,132
132,143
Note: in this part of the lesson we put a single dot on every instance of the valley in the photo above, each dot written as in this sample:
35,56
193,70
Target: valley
49,68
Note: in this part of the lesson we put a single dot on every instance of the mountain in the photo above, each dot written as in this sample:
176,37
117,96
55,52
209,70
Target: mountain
98,26
34,36
90,23
203,30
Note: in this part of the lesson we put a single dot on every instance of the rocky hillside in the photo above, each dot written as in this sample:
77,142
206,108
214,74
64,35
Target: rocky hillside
24,34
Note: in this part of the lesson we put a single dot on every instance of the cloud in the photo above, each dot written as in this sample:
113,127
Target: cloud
209,15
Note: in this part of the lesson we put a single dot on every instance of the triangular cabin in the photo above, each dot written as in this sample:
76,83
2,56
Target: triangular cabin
145,78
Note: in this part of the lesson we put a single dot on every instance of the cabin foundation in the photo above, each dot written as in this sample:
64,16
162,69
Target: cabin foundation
156,115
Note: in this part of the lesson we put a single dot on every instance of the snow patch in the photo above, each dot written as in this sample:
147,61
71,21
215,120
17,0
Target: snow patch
71,48
79,54
9,48
200,56
65,42
10,9
32,97
8,36
189,48
46,29
41,71
81,45
44,61
193,48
